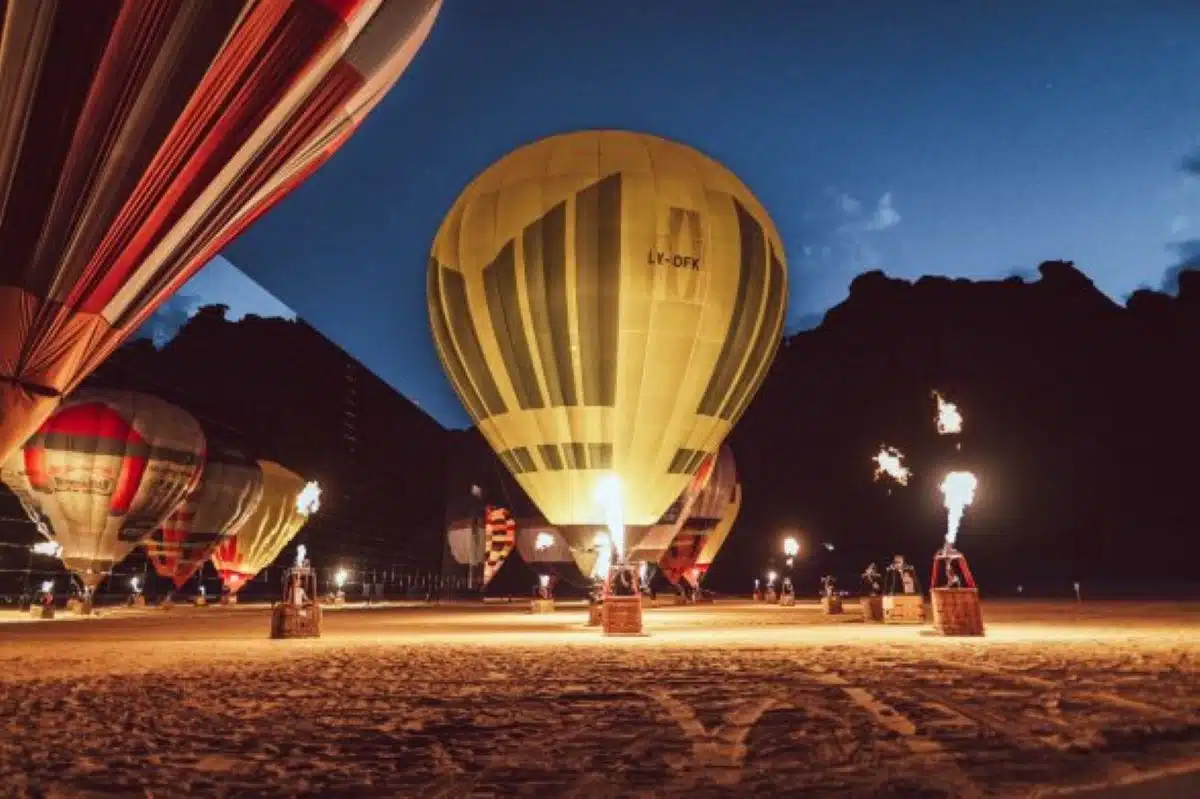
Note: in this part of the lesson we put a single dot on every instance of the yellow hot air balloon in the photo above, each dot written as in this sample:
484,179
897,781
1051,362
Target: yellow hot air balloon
285,506
606,304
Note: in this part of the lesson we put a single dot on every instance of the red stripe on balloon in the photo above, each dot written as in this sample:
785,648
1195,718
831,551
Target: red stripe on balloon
128,482
342,9
91,419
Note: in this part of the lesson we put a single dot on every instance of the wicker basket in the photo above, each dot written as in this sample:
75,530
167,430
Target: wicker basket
622,615
41,611
956,611
138,601
831,605
541,606
595,614
904,609
872,608
229,599
291,621
199,600
787,600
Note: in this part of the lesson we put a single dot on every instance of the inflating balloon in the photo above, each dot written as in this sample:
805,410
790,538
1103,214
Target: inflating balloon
606,304
285,506
223,500
106,469
707,526
660,535
491,549
139,137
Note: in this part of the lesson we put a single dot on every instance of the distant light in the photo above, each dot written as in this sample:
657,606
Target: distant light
544,541
771,577
309,501
47,586
339,579
301,553
133,584
51,548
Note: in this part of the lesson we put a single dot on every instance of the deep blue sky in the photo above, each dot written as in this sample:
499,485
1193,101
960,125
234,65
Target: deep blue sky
966,139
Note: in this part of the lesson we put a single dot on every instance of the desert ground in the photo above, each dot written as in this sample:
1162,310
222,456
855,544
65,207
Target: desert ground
733,699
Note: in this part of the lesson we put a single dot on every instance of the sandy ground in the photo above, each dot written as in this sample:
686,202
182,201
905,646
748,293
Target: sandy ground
736,699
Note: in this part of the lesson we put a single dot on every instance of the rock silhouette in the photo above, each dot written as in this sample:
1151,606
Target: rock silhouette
1081,424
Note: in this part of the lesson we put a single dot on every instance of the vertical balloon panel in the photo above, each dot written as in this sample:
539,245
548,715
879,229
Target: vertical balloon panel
716,539
606,303
710,505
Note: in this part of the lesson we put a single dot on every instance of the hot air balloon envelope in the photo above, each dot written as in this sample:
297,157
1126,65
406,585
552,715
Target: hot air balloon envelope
139,137
707,526
105,470
606,303
270,527
226,496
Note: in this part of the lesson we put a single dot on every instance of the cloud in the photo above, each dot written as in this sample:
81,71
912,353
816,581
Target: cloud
885,216
842,240
1188,251
856,232
848,204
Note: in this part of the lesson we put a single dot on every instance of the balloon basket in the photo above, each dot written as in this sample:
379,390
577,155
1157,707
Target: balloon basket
80,607
872,608
680,599
956,611
770,597
229,599
38,612
138,601
595,614
622,615
295,621
788,600
904,609
541,606
831,605
199,600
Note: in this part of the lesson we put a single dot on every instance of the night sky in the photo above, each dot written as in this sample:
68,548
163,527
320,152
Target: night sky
954,138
